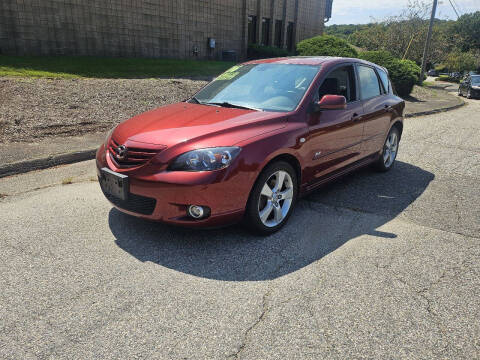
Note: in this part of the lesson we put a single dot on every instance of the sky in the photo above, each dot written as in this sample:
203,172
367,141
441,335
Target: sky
364,11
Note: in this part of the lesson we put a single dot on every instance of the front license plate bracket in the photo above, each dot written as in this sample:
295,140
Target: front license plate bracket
114,183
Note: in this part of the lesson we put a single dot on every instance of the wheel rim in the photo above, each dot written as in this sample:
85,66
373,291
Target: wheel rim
390,149
275,199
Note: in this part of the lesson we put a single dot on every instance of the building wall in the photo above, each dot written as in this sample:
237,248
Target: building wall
146,28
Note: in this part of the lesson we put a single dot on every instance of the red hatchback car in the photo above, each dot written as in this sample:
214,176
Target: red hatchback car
252,141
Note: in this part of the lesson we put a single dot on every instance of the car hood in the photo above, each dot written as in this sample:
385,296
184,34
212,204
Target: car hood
207,125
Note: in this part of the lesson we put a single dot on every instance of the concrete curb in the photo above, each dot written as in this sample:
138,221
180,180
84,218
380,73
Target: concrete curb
38,164
436,111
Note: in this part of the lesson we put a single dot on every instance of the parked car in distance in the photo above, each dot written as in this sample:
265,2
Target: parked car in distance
432,72
252,142
455,75
470,87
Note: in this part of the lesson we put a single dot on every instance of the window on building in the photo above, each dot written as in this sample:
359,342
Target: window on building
252,29
369,85
290,40
278,33
265,31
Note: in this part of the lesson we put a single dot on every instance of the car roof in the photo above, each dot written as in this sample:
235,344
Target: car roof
311,60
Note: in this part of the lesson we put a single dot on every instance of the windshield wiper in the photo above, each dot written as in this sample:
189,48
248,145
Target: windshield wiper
230,105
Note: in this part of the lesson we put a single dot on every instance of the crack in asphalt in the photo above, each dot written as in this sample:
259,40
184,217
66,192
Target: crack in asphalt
422,293
261,317
10,197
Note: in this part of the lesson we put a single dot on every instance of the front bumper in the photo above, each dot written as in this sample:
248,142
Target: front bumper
225,192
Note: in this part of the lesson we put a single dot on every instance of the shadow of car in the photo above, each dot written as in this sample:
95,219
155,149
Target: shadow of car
324,220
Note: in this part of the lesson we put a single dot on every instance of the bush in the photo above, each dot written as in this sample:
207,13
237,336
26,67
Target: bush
325,45
403,73
262,52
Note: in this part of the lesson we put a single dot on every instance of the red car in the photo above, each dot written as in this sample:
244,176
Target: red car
253,141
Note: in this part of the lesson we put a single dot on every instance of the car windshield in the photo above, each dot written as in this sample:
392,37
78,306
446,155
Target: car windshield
267,87
476,80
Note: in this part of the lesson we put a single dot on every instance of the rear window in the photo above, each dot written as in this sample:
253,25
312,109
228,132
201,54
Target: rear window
369,85
385,81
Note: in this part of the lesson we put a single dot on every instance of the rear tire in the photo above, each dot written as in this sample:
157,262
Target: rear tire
386,160
272,198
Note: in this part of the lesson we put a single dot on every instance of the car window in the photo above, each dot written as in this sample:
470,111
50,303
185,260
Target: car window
369,85
265,86
476,80
384,77
340,81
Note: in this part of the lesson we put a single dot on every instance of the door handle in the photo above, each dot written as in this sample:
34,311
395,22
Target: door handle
356,117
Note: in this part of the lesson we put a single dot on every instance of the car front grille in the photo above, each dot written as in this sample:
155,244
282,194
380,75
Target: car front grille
134,203
131,157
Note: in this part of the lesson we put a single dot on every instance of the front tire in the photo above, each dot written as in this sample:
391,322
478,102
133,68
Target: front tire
272,198
389,152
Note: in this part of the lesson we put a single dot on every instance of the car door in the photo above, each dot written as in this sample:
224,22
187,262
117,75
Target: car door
377,108
335,136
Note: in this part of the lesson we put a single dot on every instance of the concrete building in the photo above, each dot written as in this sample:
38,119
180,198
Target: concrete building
155,28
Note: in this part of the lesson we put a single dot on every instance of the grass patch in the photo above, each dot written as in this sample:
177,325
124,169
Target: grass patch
71,67
67,181
428,83
447,79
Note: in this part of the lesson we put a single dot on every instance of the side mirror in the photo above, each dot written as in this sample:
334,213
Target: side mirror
331,102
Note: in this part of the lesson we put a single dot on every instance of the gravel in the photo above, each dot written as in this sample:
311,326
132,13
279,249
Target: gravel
34,109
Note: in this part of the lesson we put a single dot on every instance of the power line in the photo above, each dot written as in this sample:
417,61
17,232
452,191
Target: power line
460,8
456,12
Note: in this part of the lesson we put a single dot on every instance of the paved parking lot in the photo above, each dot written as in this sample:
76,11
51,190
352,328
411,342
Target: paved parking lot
374,266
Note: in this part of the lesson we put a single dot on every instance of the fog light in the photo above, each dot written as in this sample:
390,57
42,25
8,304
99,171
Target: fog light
196,211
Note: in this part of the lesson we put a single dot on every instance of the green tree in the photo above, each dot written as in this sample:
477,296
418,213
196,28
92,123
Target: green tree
325,45
468,28
404,35
461,61
344,31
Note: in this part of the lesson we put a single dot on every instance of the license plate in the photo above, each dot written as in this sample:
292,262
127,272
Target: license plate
114,183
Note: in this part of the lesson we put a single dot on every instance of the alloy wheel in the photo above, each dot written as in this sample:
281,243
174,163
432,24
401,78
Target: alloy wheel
275,199
390,149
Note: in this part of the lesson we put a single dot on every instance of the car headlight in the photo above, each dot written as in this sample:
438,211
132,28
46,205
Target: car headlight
205,159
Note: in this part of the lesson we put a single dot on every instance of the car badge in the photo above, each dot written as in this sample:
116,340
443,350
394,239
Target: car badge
121,152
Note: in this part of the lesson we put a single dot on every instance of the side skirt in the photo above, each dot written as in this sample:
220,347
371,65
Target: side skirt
339,173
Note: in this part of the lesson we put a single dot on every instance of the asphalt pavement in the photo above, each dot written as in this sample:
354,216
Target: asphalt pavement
378,266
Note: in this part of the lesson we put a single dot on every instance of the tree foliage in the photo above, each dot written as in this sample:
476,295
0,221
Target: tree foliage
326,45
461,61
344,31
404,35
468,28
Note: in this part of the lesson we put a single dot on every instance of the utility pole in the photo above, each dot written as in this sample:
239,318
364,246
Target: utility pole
427,43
